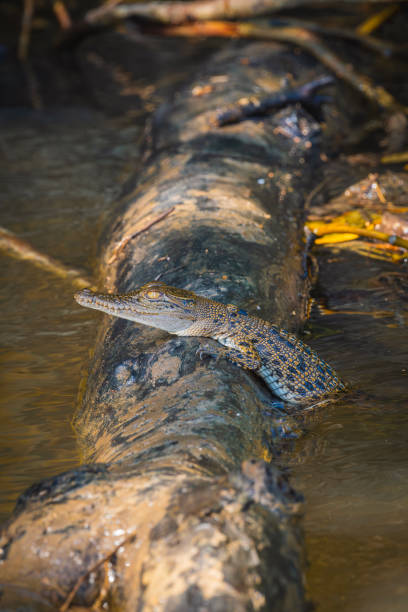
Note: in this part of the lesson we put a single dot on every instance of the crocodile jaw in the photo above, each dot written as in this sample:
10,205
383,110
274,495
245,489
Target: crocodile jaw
128,307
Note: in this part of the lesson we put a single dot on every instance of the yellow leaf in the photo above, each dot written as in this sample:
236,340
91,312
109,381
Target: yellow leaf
395,158
333,238
266,455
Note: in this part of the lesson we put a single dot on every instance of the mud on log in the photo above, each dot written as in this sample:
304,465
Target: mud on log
175,508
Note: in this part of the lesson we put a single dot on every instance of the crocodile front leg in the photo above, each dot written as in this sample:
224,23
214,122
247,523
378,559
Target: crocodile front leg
242,354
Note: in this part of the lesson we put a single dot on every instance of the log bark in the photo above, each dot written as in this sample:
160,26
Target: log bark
180,504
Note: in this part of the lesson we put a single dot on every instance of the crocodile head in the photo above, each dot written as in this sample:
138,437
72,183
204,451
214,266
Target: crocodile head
154,304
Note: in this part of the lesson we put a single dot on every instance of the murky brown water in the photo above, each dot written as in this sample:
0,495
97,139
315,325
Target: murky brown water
352,465
59,173
58,177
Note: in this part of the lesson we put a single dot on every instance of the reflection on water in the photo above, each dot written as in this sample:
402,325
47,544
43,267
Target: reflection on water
352,465
59,172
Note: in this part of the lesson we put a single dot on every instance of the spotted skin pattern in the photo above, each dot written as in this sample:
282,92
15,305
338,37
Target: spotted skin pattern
290,368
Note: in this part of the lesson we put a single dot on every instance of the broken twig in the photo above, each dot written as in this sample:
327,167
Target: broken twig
122,243
94,567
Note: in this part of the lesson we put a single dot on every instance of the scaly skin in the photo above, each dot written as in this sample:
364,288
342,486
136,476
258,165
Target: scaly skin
291,369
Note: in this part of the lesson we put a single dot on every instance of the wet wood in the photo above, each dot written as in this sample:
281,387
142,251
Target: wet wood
246,109
179,12
180,498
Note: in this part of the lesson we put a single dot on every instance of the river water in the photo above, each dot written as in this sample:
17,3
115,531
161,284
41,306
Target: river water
352,464
63,174
60,173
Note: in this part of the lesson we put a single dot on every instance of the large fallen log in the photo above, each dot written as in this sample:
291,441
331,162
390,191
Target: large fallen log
179,505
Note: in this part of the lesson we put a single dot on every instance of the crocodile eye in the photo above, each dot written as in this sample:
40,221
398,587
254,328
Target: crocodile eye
153,295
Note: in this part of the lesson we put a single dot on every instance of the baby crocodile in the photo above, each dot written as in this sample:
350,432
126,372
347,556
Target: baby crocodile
290,368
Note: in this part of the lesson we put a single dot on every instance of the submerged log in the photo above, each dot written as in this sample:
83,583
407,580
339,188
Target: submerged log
179,505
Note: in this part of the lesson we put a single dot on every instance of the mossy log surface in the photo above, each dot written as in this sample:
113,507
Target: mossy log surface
175,507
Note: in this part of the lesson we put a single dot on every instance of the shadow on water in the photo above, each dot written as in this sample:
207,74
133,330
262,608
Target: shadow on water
352,465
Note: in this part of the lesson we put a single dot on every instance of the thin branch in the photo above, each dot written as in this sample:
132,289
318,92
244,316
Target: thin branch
384,47
21,249
181,12
33,86
62,15
94,567
24,40
375,21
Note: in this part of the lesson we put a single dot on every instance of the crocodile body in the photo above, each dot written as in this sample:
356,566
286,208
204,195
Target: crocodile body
290,368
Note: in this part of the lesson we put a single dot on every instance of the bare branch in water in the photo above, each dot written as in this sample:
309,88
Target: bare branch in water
19,248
